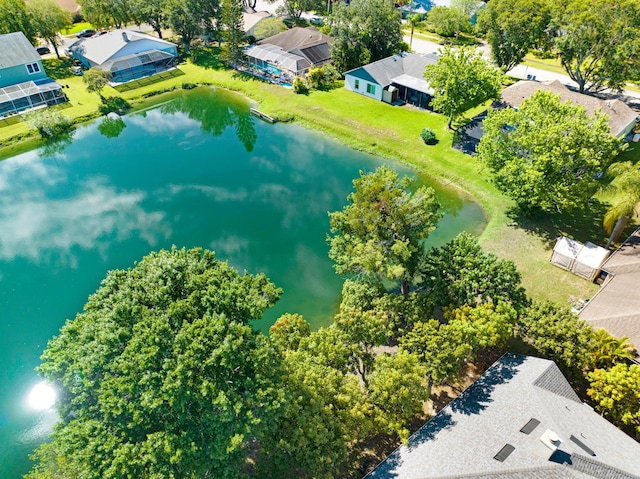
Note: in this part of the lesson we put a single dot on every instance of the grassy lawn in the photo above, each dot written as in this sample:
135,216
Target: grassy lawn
77,27
386,131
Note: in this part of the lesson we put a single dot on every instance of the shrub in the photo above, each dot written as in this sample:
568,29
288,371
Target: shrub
315,77
49,123
428,136
188,86
300,86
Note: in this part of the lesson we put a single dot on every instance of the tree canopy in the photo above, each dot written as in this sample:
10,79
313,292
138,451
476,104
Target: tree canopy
545,154
49,19
461,79
161,375
616,392
513,28
597,42
379,233
363,31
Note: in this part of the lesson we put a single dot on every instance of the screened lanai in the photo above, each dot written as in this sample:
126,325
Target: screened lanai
275,60
132,67
31,94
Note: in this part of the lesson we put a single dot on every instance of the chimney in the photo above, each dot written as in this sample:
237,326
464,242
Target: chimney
125,37
548,444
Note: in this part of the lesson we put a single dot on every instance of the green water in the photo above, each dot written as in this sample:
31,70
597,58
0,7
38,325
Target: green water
197,171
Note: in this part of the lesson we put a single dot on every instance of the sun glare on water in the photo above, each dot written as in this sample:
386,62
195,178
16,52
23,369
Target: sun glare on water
42,396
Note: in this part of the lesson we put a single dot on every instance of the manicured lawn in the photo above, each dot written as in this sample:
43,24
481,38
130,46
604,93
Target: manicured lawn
391,132
77,27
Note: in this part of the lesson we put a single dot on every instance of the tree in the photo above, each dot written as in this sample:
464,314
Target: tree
412,21
287,332
161,375
379,233
626,186
96,79
293,9
363,31
461,79
597,42
105,13
460,273
190,18
49,123
232,30
48,19
448,21
15,17
545,154
396,389
609,350
153,12
513,28
269,27
616,392
558,334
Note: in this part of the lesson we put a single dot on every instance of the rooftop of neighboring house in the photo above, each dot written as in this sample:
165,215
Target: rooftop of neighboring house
297,37
403,66
520,420
16,50
620,114
102,48
616,306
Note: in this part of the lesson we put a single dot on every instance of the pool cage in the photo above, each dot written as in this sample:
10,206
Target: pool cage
31,94
132,67
273,60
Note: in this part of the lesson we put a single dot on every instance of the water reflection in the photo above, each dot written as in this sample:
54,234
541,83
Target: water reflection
111,127
208,109
43,211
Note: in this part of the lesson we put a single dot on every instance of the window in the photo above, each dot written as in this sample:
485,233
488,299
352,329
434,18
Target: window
356,85
371,88
33,68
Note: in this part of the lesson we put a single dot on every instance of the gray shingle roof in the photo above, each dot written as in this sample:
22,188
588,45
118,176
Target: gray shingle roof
616,306
463,438
403,66
15,50
297,37
620,114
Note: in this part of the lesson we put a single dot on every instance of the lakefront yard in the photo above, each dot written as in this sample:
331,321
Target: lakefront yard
376,128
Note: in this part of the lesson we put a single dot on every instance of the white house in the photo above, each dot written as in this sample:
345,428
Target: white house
392,79
128,55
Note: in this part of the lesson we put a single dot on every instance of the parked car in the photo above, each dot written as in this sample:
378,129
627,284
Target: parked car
43,50
77,70
86,33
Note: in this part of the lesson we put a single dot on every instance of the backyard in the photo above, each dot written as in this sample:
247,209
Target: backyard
377,128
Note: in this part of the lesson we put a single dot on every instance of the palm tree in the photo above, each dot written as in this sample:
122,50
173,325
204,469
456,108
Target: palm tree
610,350
627,205
413,20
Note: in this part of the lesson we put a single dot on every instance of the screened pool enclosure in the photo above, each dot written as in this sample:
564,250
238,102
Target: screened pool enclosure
31,94
132,67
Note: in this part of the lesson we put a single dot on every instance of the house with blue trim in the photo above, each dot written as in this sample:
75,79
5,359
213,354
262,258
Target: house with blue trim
23,82
396,80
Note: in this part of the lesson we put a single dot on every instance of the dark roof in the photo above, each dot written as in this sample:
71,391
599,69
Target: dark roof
401,66
464,438
616,306
15,50
620,114
297,37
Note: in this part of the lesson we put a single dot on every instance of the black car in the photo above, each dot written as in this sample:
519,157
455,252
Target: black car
86,33
43,50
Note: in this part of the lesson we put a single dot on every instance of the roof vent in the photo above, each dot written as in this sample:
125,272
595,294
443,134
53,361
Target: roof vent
548,444
125,37
530,426
505,452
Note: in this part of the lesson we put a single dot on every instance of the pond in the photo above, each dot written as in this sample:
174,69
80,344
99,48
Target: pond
198,170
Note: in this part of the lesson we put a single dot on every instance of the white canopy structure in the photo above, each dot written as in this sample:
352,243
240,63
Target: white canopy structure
565,252
589,261
583,260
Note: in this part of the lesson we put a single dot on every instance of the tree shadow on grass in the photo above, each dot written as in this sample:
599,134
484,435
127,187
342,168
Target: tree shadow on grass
583,224
58,68
208,58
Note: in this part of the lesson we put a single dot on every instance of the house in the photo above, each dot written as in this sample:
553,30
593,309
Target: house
520,420
622,118
292,52
396,78
126,54
251,19
616,305
23,82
